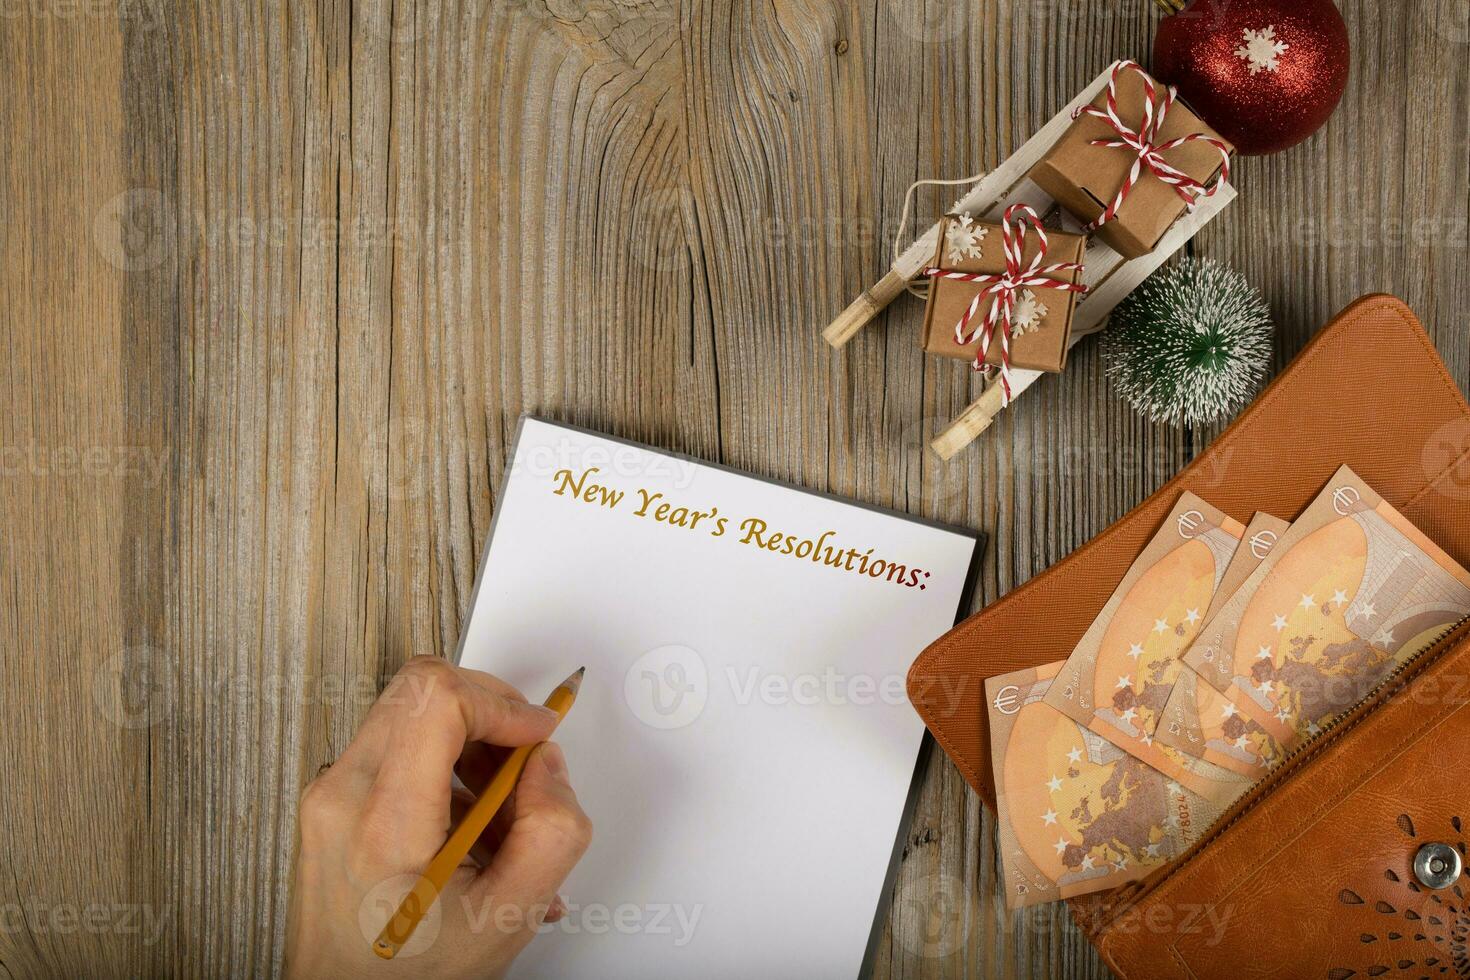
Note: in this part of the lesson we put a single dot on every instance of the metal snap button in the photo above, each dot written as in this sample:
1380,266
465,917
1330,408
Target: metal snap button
1437,865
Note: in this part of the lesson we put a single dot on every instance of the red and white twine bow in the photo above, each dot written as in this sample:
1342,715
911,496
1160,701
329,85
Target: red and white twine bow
1003,289
1144,143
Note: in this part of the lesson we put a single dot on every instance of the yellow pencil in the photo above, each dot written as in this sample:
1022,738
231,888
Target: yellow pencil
425,892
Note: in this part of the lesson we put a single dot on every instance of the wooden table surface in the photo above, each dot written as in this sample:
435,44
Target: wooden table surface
278,279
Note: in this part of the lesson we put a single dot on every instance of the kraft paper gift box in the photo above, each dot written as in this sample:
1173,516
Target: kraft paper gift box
1040,344
1084,178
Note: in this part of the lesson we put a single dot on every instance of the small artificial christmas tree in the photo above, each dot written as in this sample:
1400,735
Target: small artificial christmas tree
1190,345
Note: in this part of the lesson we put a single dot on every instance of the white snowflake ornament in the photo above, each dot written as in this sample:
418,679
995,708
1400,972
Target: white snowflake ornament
962,239
1028,314
1261,49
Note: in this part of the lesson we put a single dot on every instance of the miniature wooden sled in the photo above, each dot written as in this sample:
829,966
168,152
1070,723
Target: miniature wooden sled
1108,275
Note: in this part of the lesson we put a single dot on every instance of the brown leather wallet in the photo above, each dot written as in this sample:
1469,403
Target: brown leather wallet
1311,872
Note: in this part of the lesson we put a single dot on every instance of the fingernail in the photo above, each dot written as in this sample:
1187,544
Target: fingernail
556,762
558,906
543,710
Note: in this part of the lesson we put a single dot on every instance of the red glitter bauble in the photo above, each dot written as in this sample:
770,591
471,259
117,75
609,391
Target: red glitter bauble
1265,74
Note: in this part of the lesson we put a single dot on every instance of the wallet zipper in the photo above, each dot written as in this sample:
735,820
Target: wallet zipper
1131,895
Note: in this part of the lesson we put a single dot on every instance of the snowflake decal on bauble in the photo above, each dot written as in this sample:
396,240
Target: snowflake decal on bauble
1261,49
1028,314
962,239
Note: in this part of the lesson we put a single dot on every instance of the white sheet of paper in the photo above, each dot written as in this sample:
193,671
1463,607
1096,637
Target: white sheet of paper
742,740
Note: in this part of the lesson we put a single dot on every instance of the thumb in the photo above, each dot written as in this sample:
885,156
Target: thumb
547,834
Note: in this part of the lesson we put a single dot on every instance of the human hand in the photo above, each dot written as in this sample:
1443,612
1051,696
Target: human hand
372,822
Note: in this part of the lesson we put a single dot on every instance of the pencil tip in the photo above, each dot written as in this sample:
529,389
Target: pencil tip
581,671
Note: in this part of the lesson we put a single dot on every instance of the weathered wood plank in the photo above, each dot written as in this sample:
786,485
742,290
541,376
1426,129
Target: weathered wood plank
72,766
